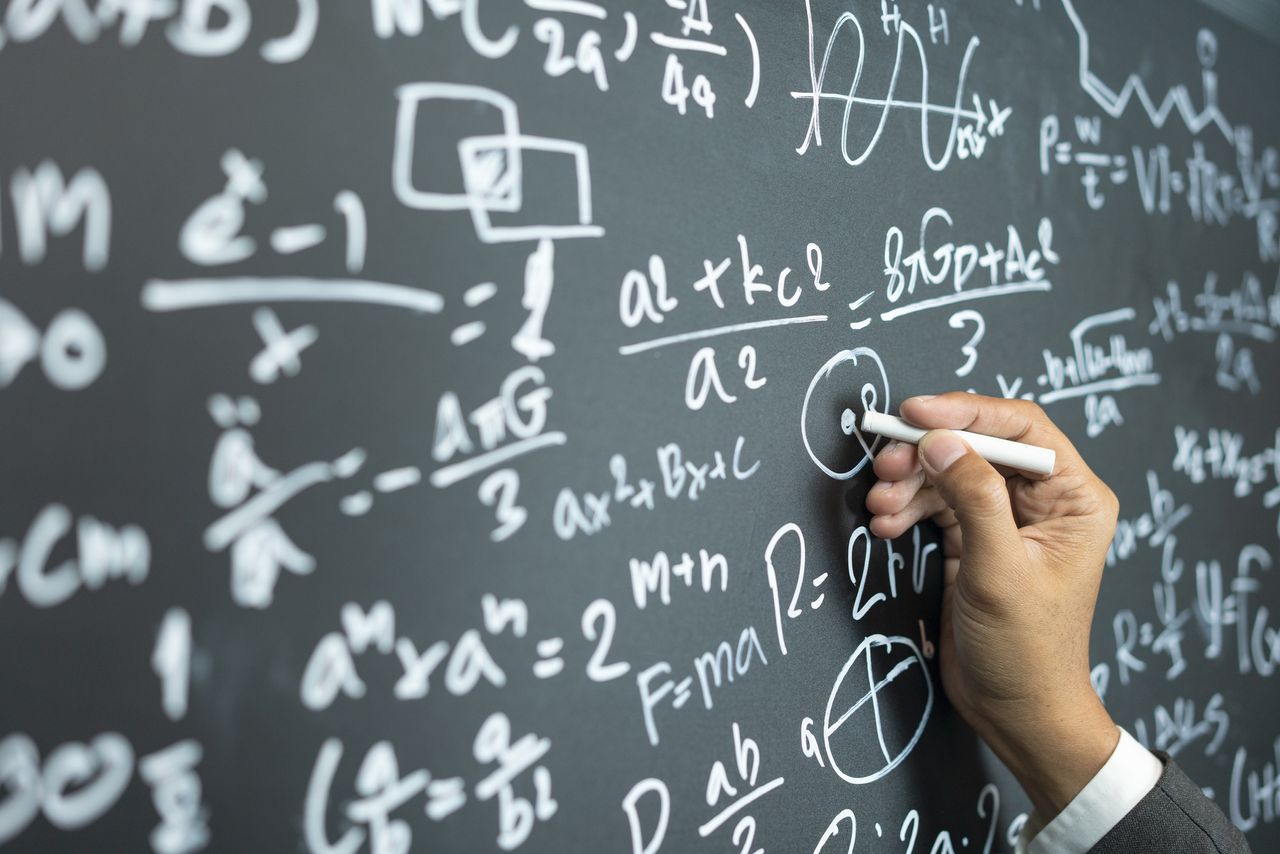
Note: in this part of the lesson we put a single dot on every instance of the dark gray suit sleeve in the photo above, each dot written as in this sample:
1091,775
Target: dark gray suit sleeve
1174,816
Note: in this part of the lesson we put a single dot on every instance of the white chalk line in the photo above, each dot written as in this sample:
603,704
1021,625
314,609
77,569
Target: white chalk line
184,294
451,474
728,812
969,296
1115,384
642,346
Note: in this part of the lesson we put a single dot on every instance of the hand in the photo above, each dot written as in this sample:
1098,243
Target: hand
1023,559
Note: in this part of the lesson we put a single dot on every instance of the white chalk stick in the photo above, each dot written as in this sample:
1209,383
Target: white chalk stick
1016,455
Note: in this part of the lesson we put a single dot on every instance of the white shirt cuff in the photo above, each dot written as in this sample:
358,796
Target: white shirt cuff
1130,773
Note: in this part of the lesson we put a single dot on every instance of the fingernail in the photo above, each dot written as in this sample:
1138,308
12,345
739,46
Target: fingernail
940,449
921,398
891,447
882,485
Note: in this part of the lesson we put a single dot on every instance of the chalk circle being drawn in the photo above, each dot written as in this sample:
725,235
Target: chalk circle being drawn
836,419
867,726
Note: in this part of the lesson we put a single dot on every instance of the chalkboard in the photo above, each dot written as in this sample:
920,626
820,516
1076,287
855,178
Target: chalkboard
424,422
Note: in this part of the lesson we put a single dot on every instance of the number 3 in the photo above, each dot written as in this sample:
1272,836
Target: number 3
498,490
958,321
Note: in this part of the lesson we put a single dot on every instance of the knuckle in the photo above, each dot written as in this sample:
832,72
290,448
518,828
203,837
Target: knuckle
986,491
1110,503
991,493
1032,410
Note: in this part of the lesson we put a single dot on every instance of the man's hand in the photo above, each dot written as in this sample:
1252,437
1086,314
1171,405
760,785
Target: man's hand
1023,559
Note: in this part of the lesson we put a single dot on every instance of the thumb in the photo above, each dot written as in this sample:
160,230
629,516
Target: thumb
974,490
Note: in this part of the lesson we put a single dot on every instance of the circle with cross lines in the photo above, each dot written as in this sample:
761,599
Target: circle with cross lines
867,728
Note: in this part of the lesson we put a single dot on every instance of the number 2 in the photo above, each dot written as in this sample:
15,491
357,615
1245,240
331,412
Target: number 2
597,670
588,59
550,32
859,609
744,834
747,361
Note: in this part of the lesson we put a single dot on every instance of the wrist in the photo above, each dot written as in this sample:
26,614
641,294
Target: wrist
1056,750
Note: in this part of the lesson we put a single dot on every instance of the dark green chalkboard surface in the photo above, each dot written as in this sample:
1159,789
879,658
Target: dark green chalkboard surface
422,421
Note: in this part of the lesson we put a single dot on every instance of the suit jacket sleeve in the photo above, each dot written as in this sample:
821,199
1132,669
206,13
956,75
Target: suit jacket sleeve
1174,816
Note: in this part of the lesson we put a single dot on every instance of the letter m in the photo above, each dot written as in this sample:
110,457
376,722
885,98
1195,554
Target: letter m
712,661
648,578
45,204
375,627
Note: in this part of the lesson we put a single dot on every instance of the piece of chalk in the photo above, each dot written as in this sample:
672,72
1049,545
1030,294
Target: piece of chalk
1016,455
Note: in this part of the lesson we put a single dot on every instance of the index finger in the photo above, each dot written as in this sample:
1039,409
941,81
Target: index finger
1016,420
